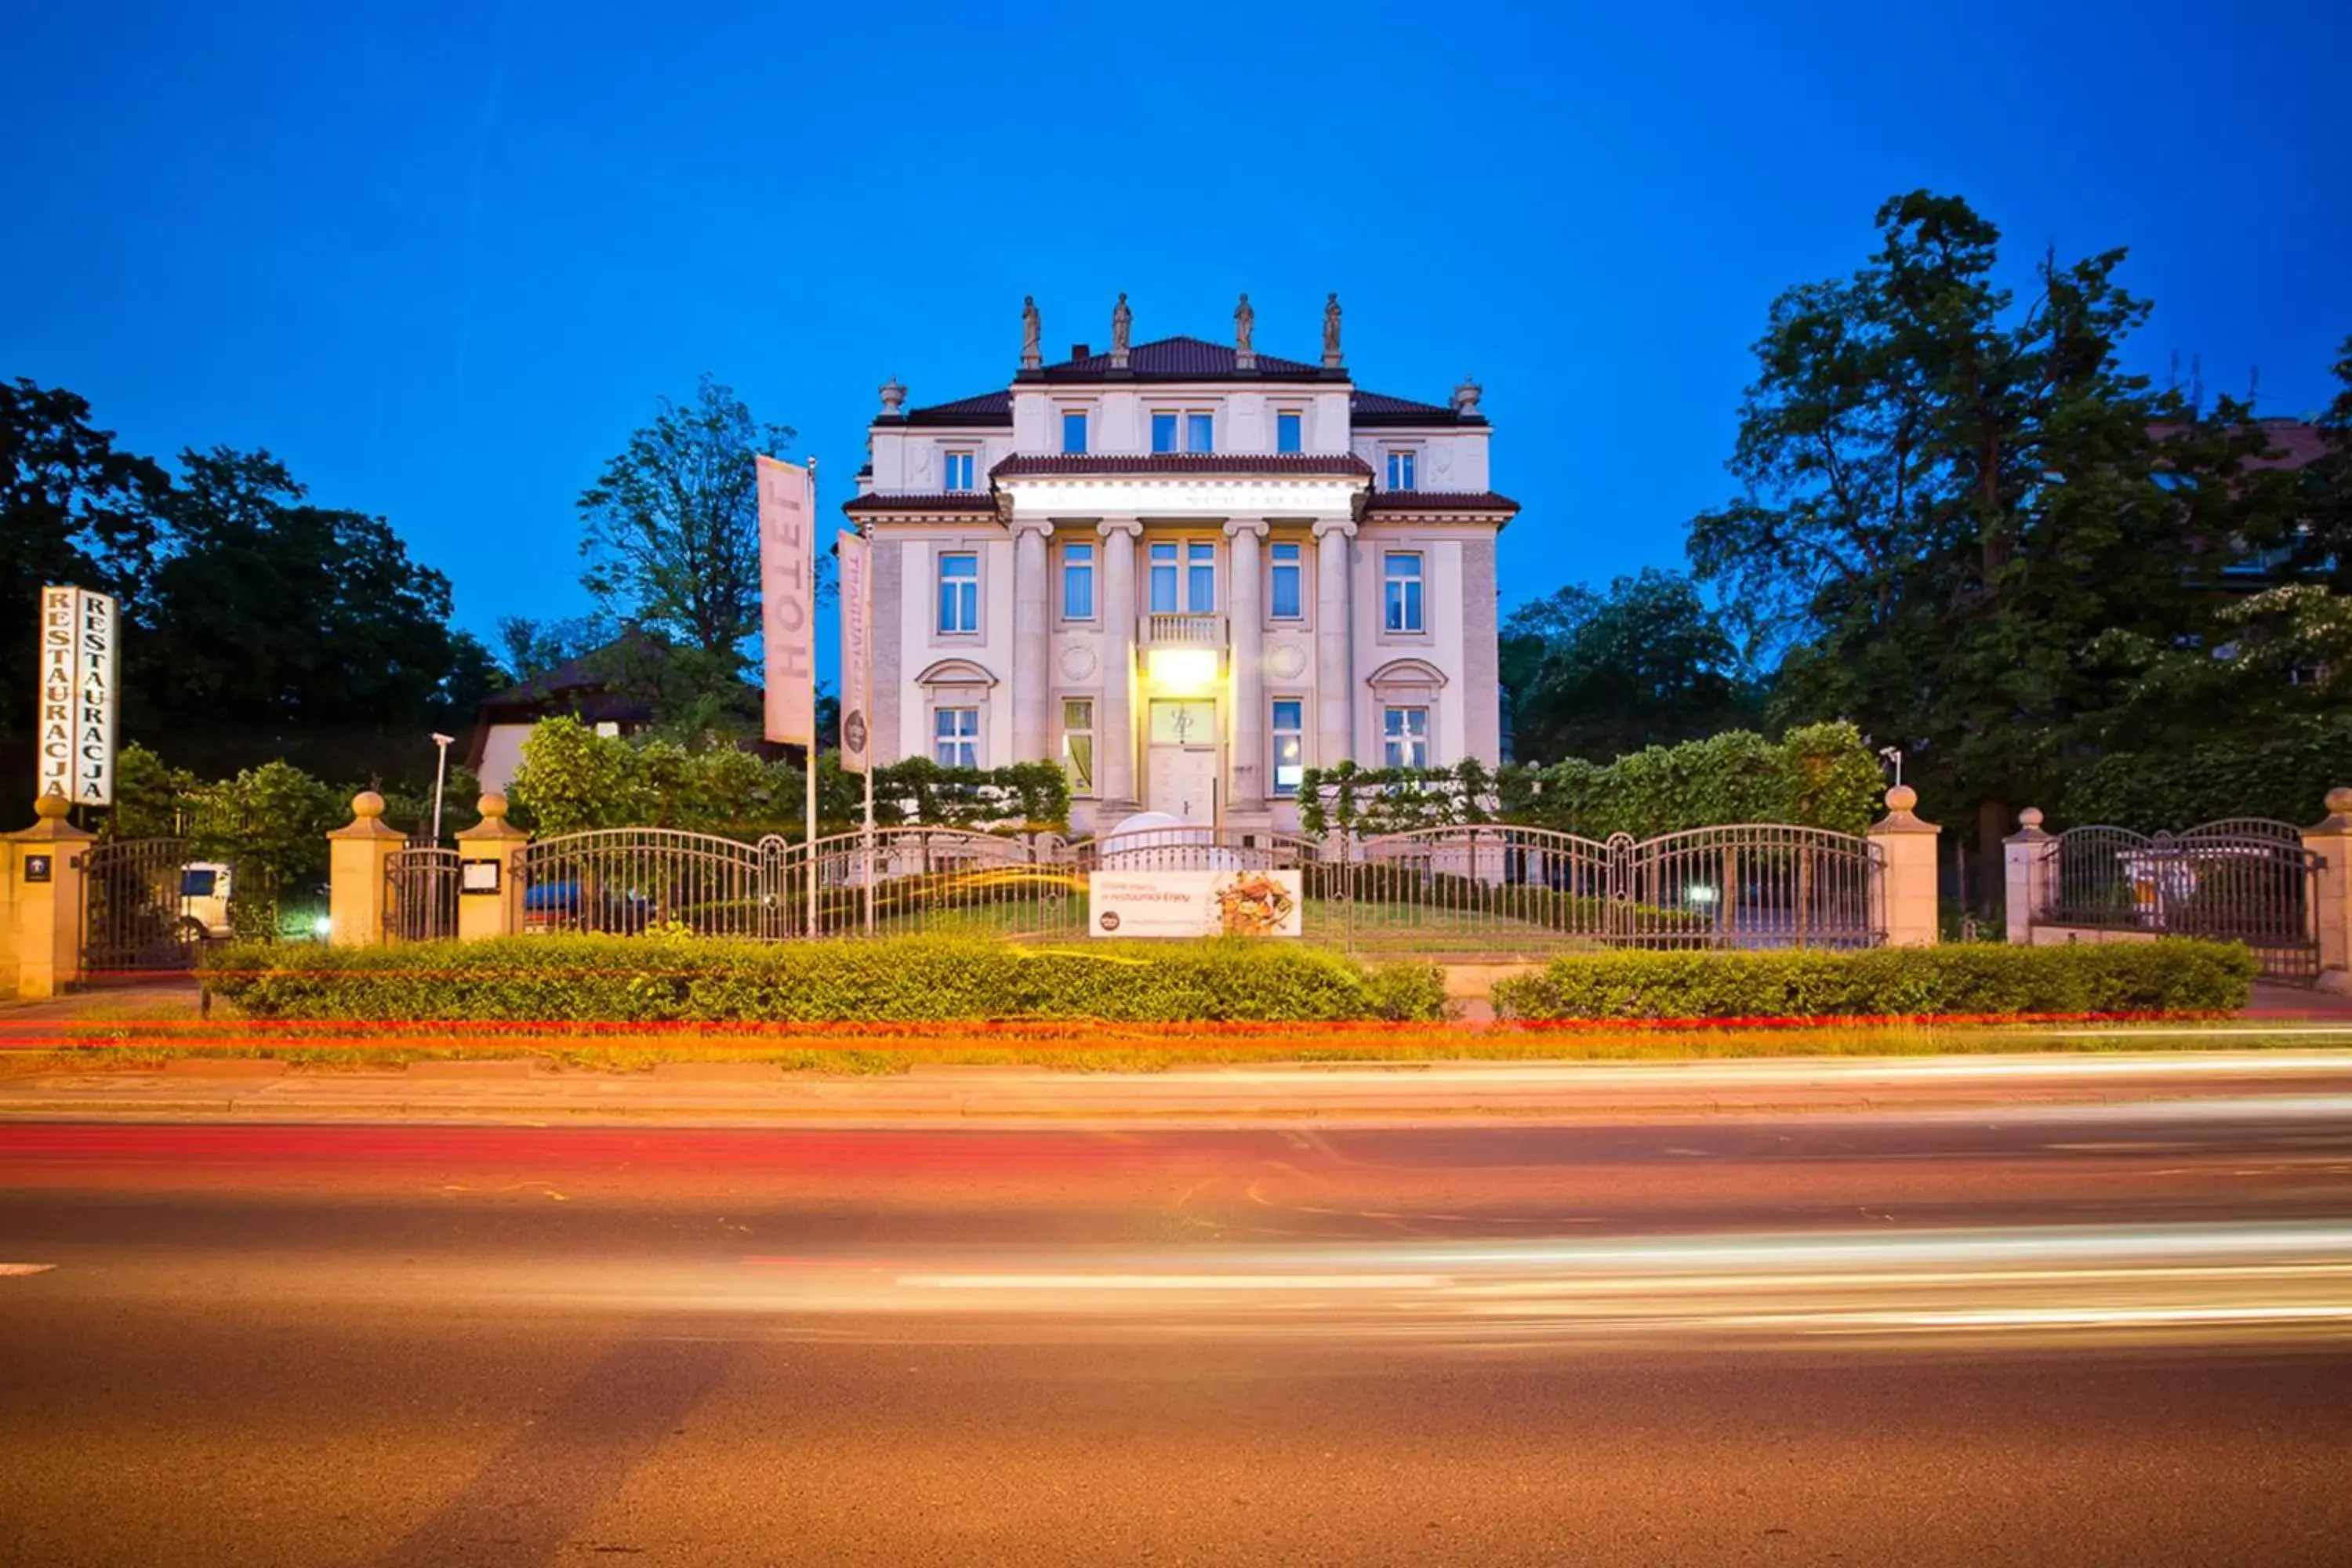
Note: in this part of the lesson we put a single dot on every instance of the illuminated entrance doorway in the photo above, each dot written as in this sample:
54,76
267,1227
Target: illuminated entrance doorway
1181,769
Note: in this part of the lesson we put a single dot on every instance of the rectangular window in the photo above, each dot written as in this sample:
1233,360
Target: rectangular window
959,595
1401,471
1288,426
1286,592
1406,731
1078,743
1073,432
1400,590
1201,577
1289,730
959,466
1163,579
1183,430
1077,582
955,737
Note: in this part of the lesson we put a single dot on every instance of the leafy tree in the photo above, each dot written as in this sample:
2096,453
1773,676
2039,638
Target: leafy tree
1596,677
73,509
1946,497
532,647
672,526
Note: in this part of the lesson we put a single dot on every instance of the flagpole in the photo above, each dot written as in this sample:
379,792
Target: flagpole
811,770
865,700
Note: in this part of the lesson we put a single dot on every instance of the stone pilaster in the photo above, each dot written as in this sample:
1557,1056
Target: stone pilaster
1031,642
44,900
1115,727
357,858
1334,692
2029,863
2331,911
493,905
1247,761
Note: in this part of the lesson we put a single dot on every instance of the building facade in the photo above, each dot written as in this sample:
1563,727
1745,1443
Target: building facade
1184,571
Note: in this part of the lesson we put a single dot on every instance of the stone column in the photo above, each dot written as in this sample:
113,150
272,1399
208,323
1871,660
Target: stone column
1903,893
494,910
1335,635
2331,911
45,890
1247,790
2029,860
1031,642
357,856
1115,725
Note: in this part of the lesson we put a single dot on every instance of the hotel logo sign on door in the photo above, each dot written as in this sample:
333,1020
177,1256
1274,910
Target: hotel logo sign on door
76,750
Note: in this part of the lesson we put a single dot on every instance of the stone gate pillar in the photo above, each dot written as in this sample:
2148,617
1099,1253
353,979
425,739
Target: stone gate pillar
489,874
2331,893
2029,859
43,899
1903,894
357,857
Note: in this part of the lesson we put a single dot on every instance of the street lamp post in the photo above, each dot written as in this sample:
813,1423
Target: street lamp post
440,777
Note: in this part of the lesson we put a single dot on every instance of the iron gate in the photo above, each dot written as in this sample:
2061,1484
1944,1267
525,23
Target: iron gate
2245,879
146,909
420,894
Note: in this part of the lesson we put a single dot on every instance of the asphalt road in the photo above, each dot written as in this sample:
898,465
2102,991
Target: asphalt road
2061,1335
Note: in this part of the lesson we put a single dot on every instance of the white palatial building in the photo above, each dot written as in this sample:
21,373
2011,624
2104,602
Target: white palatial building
1188,572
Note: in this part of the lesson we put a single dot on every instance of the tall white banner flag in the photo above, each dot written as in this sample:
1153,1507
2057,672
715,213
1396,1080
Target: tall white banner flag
76,730
788,600
857,678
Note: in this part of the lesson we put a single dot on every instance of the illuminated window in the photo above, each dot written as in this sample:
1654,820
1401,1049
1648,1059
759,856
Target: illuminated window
1163,432
1073,431
959,595
1288,426
955,733
1289,729
1078,743
1198,430
1405,734
959,466
1402,466
1287,593
1400,590
1077,582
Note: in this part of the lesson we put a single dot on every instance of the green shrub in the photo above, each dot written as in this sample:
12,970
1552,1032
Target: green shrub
676,979
2174,976
1405,991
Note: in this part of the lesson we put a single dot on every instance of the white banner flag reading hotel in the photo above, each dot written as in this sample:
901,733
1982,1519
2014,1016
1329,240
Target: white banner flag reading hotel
77,703
788,600
857,695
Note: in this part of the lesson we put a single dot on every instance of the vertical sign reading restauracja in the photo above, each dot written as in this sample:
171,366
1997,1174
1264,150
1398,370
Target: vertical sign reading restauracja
788,600
75,740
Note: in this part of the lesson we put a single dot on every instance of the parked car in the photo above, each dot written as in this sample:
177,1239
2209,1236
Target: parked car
205,888
562,906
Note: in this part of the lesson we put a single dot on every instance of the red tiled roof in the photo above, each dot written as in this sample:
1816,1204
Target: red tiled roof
949,501
1180,359
987,408
2293,442
1439,500
1379,408
1342,465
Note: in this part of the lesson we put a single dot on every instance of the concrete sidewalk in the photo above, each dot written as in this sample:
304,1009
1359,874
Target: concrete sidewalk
714,1093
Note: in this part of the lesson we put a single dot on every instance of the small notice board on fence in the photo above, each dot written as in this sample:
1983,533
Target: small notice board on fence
1194,903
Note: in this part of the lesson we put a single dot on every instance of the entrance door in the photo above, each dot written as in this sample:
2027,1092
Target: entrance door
1180,763
1184,782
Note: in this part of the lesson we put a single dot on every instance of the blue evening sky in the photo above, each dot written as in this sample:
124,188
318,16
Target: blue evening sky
442,259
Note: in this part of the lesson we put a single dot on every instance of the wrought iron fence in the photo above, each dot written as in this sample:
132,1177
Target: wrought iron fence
1483,890
420,894
1503,891
2241,879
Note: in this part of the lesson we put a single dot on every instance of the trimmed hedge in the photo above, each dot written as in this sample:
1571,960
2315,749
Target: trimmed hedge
2172,976
692,980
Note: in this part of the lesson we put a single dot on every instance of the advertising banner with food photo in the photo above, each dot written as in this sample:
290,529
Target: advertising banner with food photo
1194,903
